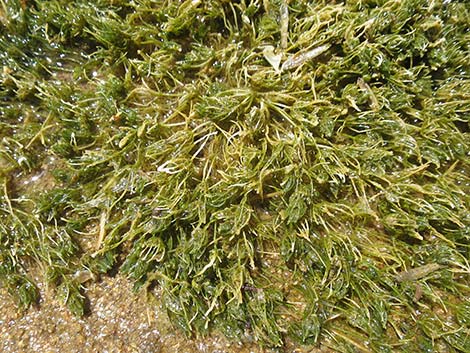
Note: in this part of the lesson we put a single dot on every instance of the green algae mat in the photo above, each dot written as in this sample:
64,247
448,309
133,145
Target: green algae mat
278,170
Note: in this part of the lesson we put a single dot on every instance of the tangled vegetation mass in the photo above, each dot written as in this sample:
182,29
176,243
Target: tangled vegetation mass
277,169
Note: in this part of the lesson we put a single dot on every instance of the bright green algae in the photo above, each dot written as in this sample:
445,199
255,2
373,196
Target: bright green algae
326,203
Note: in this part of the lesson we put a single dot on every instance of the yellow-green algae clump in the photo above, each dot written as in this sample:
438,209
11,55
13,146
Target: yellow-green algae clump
278,169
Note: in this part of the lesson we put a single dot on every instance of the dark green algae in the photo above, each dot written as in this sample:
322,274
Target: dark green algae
326,204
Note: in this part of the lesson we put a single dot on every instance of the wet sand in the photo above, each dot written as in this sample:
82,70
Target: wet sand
119,321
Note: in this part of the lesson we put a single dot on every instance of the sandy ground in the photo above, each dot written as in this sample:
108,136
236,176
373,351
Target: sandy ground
119,321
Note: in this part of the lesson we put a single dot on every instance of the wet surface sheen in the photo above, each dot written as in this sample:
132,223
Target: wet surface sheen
120,321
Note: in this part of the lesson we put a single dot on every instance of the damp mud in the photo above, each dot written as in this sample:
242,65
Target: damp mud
119,321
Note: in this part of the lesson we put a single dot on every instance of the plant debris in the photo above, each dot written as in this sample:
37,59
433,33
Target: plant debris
154,138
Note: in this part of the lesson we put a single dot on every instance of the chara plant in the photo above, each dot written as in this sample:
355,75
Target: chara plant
277,170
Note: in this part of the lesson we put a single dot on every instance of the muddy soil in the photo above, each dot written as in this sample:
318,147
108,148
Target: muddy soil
120,321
